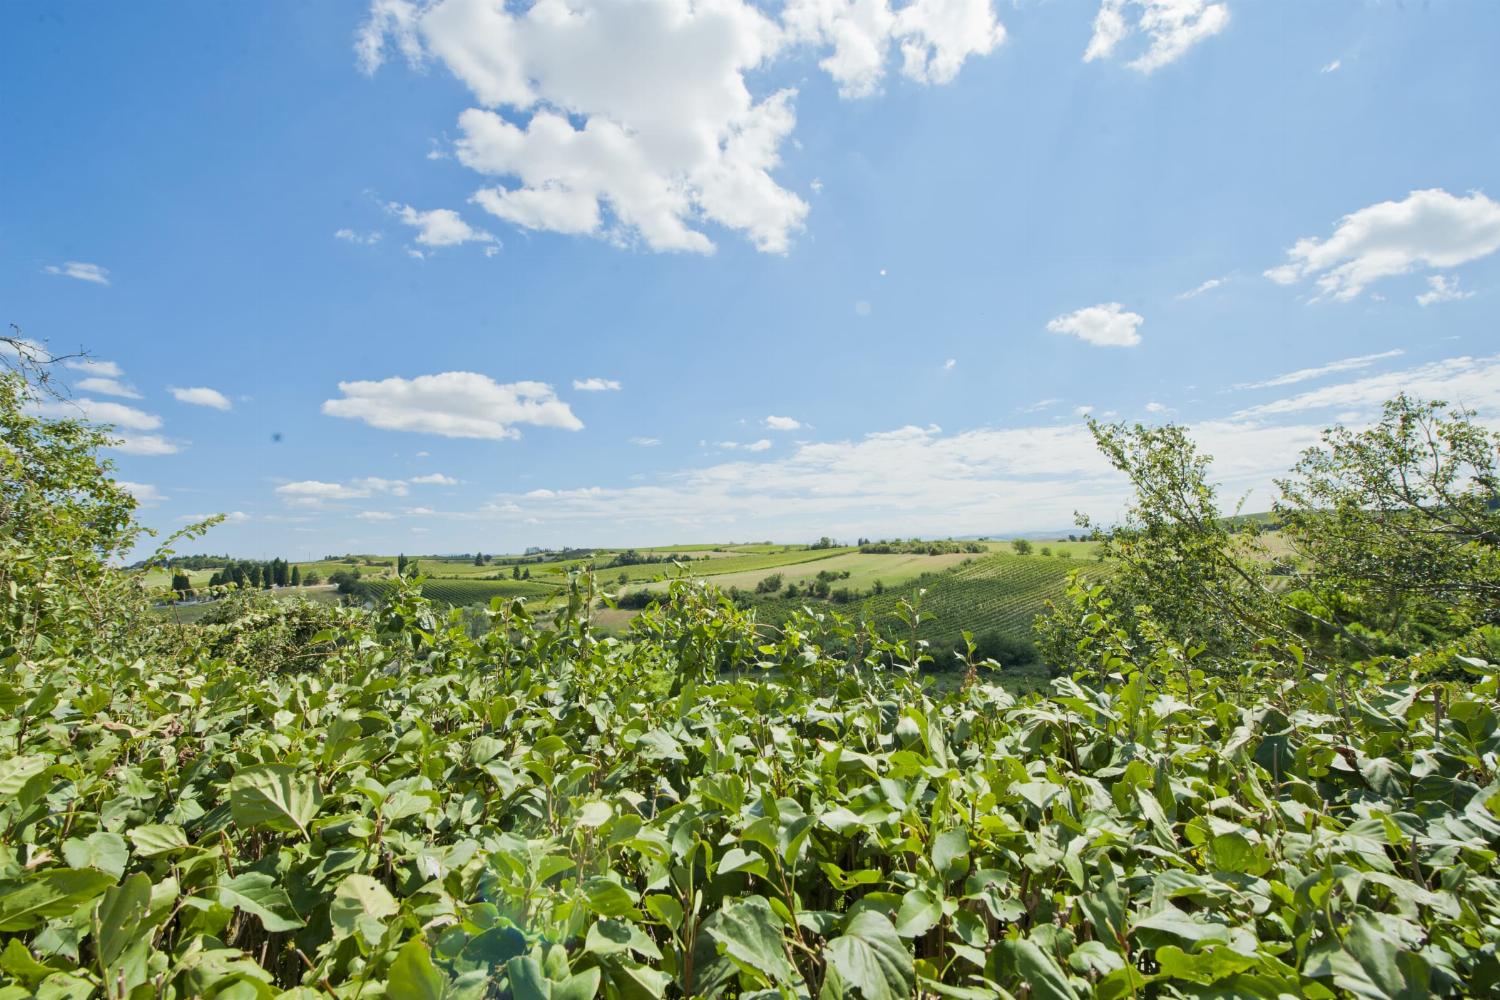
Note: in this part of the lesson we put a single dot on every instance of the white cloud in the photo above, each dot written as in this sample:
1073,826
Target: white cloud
1105,325
979,481
145,494
433,479
375,515
201,396
1427,229
1170,26
761,445
1305,374
313,492
935,38
1155,407
82,271
636,122
145,444
95,367
362,239
645,442
783,423
1082,411
453,404
1040,405
439,227
596,385
232,517
97,411
374,484
108,387
1472,382
1332,67
950,364
1207,286
1442,289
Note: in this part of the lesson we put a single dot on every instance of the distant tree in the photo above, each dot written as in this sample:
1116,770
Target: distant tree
182,583
1046,550
1022,547
401,564
515,572
296,576
311,578
623,578
526,575
267,578
479,559
252,575
823,543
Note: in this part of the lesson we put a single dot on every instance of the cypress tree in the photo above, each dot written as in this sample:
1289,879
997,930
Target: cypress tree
296,576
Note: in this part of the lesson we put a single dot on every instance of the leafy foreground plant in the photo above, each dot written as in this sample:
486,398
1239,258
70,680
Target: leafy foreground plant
541,813
303,801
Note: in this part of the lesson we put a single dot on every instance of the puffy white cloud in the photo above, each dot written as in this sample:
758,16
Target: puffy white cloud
1170,26
94,367
201,396
313,492
453,404
783,423
635,122
145,494
950,364
374,484
762,445
1441,288
1155,407
1082,411
145,444
108,387
92,273
596,385
375,515
1207,286
439,227
1427,229
1105,325
935,38
433,479
1333,367
97,411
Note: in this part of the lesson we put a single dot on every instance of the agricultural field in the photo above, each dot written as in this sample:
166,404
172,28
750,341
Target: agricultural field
463,593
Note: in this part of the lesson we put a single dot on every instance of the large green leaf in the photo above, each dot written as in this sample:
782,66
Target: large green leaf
261,896
275,796
1040,971
360,906
750,933
871,956
413,976
39,896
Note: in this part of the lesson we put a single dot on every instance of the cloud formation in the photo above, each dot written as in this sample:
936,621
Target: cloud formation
92,273
596,385
1441,288
453,404
1171,27
201,396
1306,374
1427,229
636,122
1105,325
439,227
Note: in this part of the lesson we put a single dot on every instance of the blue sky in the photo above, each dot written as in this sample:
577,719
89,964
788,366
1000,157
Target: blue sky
456,276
